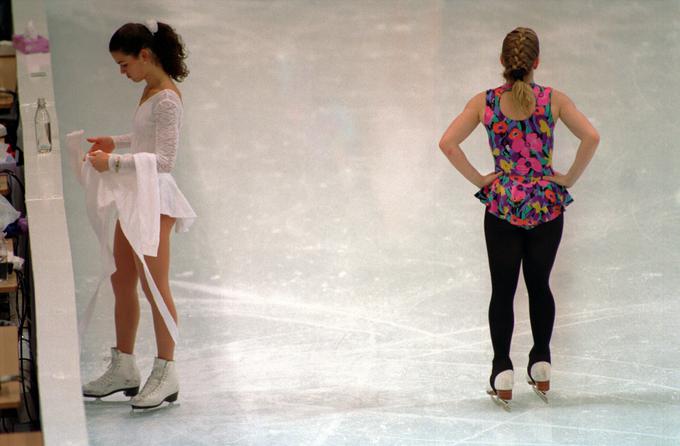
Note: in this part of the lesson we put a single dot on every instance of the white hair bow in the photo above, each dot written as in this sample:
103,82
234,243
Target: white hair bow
151,25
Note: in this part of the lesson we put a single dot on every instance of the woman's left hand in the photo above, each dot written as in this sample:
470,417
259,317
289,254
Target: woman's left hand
488,179
99,160
558,178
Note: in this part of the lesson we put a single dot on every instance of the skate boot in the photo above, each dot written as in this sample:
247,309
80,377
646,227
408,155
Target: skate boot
538,375
161,386
121,376
501,388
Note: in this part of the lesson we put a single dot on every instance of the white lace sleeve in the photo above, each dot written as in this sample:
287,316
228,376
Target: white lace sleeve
122,141
166,115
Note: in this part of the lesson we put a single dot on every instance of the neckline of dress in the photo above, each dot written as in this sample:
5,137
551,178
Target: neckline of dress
157,93
507,87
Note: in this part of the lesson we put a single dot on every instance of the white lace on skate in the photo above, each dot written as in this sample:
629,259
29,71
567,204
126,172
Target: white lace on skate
161,386
150,389
111,381
106,380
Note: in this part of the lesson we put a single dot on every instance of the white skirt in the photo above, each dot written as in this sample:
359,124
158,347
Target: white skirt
174,204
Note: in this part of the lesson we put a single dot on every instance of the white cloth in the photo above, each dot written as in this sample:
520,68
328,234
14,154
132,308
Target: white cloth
8,214
131,197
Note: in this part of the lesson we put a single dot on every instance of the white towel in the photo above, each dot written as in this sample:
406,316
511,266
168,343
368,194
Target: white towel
133,198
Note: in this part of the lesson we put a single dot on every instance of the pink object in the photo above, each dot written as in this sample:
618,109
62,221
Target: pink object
534,142
488,114
522,166
520,146
517,193
28,45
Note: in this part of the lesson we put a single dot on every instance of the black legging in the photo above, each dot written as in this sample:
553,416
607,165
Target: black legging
509,246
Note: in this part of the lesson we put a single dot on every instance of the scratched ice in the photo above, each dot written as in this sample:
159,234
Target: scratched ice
334,290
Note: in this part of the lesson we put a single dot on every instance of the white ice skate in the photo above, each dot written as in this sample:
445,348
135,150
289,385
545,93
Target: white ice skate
539,379
501,393
161,386
121,376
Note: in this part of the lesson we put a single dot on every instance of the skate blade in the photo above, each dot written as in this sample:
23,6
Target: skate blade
505,404
542,395
169,399
129,391
142,409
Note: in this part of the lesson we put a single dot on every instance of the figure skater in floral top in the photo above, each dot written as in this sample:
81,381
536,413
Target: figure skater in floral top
524,198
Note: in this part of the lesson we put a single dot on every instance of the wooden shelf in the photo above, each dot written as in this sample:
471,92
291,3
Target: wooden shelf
10,393
10,284
22,439
4,184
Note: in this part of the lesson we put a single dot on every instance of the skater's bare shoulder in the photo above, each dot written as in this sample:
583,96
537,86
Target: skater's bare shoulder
474,109
565,109
464,123
478,103
559,100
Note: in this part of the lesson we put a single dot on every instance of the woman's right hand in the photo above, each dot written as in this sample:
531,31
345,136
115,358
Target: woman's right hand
560,179
488,179
101,143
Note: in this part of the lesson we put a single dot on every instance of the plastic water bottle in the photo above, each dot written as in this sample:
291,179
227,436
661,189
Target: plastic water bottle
43,133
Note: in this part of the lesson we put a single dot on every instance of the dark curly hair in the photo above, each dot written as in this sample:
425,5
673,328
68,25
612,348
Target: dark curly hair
165,44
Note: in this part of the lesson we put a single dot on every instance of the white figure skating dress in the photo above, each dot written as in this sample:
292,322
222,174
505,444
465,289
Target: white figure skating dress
156,128
136,190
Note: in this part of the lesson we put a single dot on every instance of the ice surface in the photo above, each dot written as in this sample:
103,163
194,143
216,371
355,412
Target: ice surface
334,289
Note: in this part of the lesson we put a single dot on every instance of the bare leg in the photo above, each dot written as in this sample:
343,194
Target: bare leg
160,269
124,282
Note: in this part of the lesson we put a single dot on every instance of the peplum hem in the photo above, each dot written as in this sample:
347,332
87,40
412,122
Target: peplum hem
524,203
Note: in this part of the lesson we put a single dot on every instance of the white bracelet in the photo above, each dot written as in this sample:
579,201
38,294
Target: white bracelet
114,163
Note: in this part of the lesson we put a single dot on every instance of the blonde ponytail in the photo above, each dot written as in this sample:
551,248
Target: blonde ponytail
523,96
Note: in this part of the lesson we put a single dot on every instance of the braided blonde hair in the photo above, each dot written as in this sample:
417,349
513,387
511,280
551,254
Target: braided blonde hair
520,51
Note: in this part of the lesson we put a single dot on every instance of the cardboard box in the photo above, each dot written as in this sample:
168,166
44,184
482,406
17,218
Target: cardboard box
8,73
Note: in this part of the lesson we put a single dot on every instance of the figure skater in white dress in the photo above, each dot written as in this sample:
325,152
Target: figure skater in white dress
154,53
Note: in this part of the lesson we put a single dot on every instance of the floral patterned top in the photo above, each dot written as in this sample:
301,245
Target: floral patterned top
522,151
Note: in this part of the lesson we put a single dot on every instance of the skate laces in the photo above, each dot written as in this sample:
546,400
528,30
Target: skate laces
107,376
153,383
